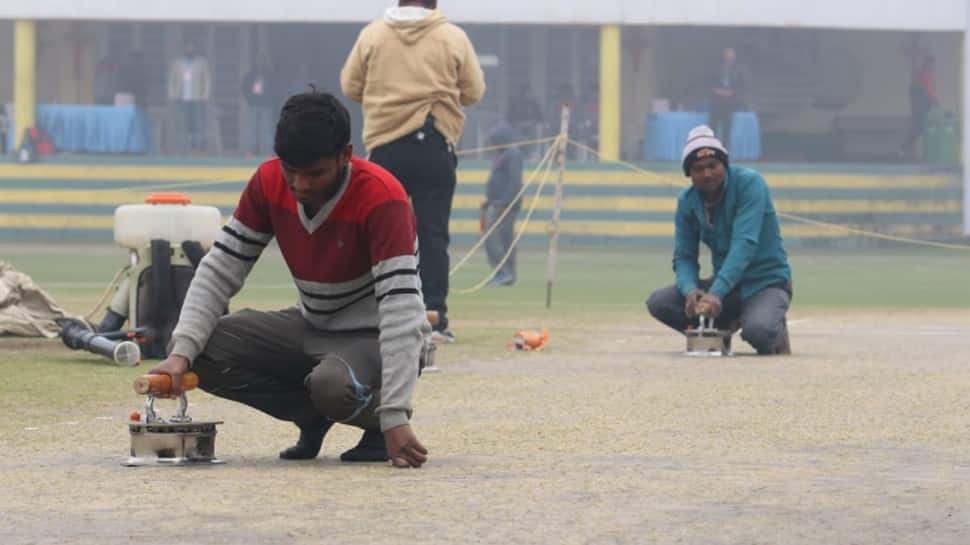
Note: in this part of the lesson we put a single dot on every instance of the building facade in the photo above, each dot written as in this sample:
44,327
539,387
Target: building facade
836,67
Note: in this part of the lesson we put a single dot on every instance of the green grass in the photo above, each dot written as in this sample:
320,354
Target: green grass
45,382
595,288
588,280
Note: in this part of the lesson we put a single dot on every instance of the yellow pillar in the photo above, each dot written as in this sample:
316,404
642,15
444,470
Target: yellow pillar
965,147
610,92
25,76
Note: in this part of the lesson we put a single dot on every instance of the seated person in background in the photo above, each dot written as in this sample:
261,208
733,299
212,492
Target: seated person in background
730,210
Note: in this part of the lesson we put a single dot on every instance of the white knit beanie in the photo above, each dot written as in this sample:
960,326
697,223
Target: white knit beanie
701,143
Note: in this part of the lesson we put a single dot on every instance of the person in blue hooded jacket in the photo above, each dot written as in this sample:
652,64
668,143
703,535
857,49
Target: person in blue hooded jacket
728,208
502,190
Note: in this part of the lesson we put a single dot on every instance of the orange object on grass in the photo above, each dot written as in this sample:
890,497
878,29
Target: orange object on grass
168,198
531,339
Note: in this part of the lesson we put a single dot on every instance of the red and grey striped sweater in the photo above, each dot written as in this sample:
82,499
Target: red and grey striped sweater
354,265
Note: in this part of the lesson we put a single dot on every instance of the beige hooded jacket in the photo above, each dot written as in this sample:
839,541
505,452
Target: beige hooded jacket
409,64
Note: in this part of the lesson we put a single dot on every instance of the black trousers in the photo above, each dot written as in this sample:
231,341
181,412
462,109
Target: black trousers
722,119
191,118
762,316
920,105
425,164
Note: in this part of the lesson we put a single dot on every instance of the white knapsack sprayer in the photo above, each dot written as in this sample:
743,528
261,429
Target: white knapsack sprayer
165,238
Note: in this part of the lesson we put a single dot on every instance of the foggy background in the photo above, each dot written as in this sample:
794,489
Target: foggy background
820,95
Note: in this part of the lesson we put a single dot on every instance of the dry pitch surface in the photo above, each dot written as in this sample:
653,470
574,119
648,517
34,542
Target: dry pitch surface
608,437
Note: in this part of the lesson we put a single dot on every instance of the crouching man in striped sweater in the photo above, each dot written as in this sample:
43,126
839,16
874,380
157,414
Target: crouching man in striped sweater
351,350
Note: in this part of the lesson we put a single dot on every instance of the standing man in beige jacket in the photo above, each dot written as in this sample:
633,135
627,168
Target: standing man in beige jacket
413,71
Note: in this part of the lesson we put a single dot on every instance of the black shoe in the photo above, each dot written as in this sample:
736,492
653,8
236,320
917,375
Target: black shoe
308,445
371,448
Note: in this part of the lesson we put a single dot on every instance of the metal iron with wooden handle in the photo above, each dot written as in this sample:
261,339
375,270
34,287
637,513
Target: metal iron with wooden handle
177,440
161,385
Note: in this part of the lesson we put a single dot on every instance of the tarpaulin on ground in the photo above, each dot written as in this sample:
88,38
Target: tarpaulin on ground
25,309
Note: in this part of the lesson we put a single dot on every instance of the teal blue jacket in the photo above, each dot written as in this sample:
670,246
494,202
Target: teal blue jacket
745,239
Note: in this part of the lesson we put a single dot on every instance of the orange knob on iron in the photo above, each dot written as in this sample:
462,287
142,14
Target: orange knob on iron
162,384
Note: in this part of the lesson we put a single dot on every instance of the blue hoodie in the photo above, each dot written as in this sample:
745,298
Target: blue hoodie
505,179
745,238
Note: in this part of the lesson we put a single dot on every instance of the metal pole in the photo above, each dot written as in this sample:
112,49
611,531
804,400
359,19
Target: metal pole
557,204
966,122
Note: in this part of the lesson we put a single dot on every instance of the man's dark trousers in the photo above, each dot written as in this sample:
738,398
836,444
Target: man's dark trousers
761,316
425,164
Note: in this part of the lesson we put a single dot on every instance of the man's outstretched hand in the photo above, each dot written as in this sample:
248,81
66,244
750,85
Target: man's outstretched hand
403,447
174,366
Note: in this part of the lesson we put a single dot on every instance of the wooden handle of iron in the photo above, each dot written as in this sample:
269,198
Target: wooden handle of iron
162,384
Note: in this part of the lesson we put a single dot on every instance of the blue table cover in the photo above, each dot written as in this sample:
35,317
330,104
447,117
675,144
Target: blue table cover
667,134
93,129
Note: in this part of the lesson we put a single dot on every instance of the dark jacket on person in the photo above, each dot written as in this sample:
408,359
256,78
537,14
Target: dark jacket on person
257,87
731,77
505,179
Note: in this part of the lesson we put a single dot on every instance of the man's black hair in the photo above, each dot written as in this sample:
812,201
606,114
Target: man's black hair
430,4
312,126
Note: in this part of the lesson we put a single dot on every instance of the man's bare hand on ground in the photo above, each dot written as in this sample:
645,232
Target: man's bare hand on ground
403,447
174,366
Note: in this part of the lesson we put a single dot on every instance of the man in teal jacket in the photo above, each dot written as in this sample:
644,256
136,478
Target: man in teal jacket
730,210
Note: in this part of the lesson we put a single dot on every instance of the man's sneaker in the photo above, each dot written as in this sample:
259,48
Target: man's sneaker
442,337
502,280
